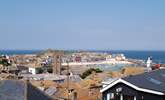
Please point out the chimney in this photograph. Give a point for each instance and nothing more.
(57, 62)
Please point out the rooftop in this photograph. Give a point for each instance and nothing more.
(154, 80)
(20, 90)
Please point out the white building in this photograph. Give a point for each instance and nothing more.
(120, 57)
(33, 70)
(109, 57)
(149, 62)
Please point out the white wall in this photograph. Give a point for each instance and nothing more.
(32, 70)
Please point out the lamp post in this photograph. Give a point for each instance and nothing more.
(68, 79)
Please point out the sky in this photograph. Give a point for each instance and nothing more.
(82, 24)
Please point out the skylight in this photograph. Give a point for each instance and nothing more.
(157, 82)
(163, 75)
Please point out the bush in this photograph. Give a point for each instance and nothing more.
(47, 69)
(40, 70)
(98, 70)
(89, 71)
(4, 62)
(50, 70)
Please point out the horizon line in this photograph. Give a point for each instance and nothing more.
(77, 49)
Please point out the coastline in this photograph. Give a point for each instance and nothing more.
(158, 56)
(96, 63)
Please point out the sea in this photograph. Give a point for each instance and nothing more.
(157, 56)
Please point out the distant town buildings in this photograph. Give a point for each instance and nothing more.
(51, 72)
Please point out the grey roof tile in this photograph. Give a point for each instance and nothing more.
(154, 80)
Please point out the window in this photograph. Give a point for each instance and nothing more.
(31, 71)
(110, 96)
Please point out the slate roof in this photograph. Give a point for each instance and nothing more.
(20, 90)
(11, 90)
(154, 80)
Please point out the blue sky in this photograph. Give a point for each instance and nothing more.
(82, 24)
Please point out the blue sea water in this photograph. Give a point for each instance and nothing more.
(18, 52)
(158, 56)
